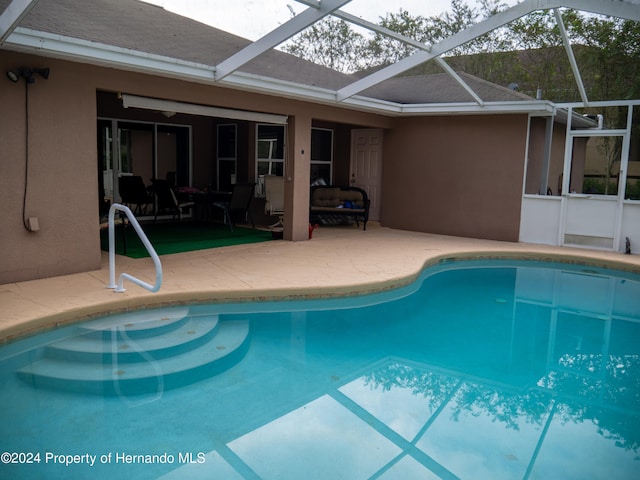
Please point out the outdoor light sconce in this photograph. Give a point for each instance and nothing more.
(27, 74)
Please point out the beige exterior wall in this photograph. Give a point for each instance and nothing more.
(62, 188)
(63, 170)
(451, 175)
(455, 175)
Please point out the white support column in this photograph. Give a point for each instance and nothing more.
(566, 177)
(622, 179)
(546, 161)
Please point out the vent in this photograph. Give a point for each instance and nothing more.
(588, 241)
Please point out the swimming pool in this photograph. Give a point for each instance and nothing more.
(477, 370)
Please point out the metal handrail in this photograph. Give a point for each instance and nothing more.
(112, 253)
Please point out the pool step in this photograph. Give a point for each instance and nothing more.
(191, 350)
(145, 323)
(122, 346)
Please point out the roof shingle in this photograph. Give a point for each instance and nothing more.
(135, 25)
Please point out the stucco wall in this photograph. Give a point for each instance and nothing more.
(63, 171)
(455, 175)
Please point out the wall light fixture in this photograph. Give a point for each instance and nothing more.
(27, 74)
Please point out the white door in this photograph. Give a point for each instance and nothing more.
(366, 166)
(593, 186)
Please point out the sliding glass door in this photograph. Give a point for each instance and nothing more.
(145, 150)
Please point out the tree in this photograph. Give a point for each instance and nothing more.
(333, 43)
(385, 50)
(528, 52)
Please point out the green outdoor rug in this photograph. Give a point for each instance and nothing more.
(169, 238)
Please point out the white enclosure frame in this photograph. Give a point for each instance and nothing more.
(582, 220)
(229, 72)
(542, 221)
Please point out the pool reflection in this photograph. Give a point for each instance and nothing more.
(507, 372)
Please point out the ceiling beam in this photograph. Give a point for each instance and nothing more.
(453, 74)
(409, 41)
(311, 3)
(440, 48)
(278, 36)
(627, 9)
(13, 15)
(571, 56)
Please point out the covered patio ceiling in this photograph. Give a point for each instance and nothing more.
(228, 72)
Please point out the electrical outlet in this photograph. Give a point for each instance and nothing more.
(32, 224)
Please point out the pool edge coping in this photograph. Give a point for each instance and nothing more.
(71, 316)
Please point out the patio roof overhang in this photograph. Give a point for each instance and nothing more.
(228, 73)
(136, 101)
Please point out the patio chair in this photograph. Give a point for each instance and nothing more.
(134, 192)
(274, 197)
(166, 199)
(238, 204)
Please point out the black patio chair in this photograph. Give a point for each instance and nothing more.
(238, 205)
(134, 192)
(166, 200)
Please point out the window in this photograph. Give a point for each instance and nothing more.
(321, 155)
(595, 164)
(227, 156)
(126, 159)
(270, 153)
(596, 160)
(145, 150)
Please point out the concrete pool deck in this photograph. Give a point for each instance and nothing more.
(337, 261)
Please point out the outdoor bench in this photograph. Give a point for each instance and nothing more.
(328, 202)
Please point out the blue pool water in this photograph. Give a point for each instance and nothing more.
(495, 370)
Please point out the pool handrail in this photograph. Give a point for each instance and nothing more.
(112, 253)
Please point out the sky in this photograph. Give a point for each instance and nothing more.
(252, 19)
